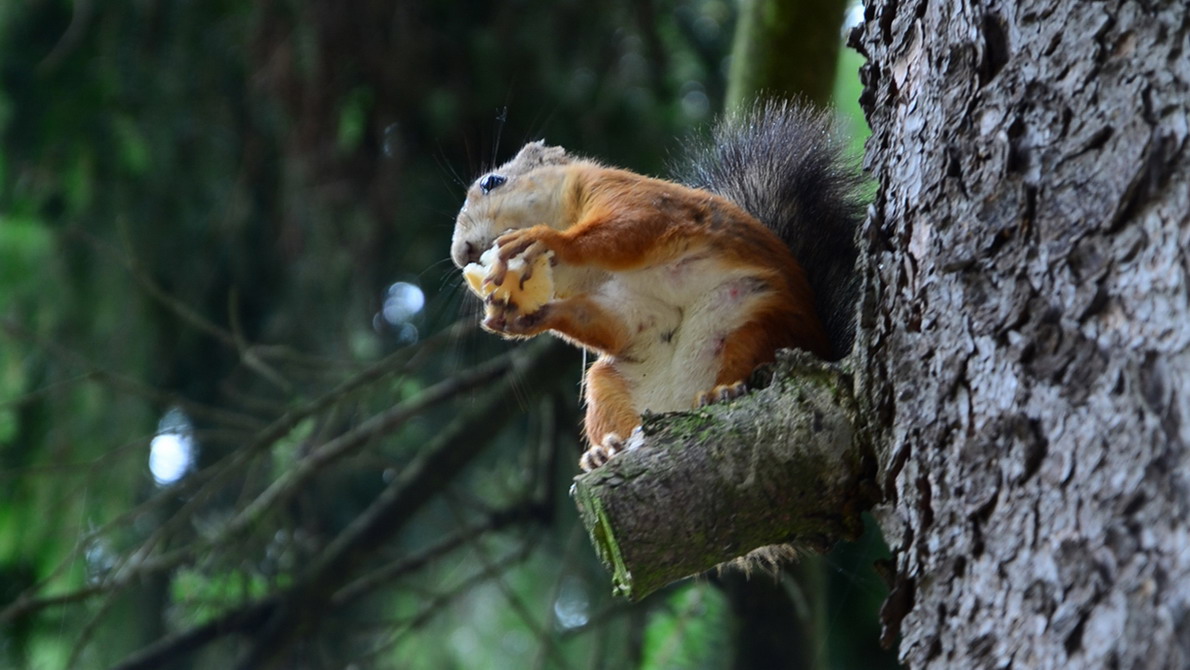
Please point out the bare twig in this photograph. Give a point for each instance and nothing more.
(199, 487)
(244, 619)
(88, 631)
(498, 520)
(91, 371)
(69, 41)
(277, 621)
(541, 632)
(285, 486)
(421, 479)
(437, 604)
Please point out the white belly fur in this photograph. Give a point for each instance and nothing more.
(697, 302)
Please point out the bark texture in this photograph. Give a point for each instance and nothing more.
(786, 464)
(1027, 337)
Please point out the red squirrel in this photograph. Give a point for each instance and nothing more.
(682, 290)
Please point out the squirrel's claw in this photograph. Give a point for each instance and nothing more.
(601, 453)
(515, 242)
(508, 319)
(526, 243)
(511, 245)
(721, 393)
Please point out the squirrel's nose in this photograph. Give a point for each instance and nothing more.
(463, 252)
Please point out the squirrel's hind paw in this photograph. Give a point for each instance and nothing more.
(601, 453)
(721, 393)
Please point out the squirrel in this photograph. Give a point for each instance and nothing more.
(681, 287)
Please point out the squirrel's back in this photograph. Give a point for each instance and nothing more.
(785, 164)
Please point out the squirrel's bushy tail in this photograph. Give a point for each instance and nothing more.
(785, 164)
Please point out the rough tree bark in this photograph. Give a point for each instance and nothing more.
(1030, 337)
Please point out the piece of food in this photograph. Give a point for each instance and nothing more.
(524, 295)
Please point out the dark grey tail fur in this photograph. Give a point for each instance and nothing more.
(785, 164)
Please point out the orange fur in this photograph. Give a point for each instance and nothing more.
(786, 322)
(609, 403)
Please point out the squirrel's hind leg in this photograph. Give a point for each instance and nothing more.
(739, 353)
(611, 415)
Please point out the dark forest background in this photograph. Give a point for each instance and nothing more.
(245, 414)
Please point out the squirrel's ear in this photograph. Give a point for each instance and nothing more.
(537, 154)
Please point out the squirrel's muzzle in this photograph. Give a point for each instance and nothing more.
(463, 252)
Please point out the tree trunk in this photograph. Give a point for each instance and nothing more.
(785, 47)
(1029, 336)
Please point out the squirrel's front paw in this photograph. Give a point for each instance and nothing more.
(507, 319)
(511, 289)
(601, 453)
(525, 244)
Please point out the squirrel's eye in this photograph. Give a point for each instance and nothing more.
(490, 182)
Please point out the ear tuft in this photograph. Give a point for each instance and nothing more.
(537, 154)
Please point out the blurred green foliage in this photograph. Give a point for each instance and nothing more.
(202, 208)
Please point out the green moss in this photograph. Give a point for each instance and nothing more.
(678, 424)
(603, 538)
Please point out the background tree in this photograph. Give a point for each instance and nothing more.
(223, 234)
(779, 49)
(1027, 334)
